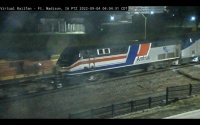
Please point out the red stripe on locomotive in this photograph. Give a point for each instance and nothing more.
(144, 48)
(98, 60)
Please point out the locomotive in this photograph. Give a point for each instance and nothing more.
(83, 64)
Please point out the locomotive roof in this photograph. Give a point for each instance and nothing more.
(119, 43)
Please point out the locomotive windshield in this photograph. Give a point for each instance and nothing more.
(68, 56)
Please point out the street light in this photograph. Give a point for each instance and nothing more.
(112, 18)
(145, 26)
(192, 18)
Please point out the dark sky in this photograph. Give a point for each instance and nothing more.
(17, 19)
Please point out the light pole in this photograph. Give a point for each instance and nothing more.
(145, 26)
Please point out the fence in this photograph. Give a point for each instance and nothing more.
(172, 94)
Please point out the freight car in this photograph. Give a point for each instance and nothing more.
(77, 64)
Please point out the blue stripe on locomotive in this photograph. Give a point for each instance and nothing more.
(132, 54)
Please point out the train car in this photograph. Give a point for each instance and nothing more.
(190, 49)
(96, 63)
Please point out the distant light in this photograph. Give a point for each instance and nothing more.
(124, 21)
(136, 12)
(112, 18)
(152, 12)
(192, 18)
(173, 15)
(190, 40)
(39, 64)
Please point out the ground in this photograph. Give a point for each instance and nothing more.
(83, 98)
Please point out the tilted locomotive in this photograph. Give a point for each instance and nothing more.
(95, 63)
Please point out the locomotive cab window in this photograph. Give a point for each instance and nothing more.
(100, 51)
(103, 51)
(107, 51)
(84, 54)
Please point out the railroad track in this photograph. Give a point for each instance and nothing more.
(19, 92)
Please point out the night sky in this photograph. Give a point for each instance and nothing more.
(13, 20)
(18, 19)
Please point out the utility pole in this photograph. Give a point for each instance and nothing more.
(145, 26)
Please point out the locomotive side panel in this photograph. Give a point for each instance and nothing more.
(99, 59)
(188, 48)
(197, 47)
(135, 54)
(139, 55)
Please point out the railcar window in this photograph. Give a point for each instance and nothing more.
(100, 51)
(107, 51)
(103, 51)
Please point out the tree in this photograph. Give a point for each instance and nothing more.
(180, 13)
(197, 13)
(19, 21)
(93, 21)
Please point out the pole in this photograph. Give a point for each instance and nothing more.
(145, 26)
(167, 95)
